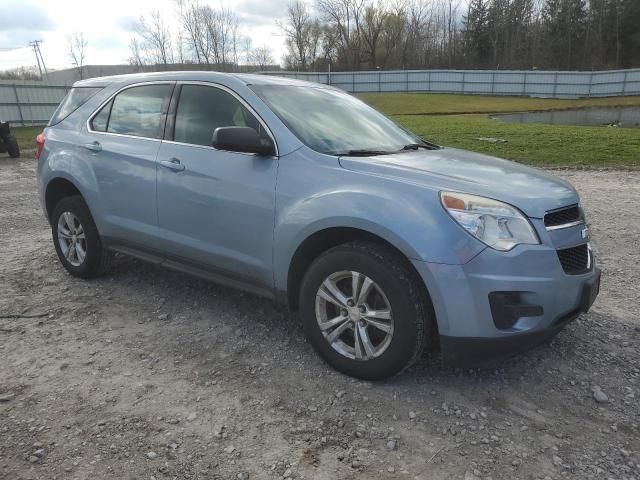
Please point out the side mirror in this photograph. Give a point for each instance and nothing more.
(241, 139)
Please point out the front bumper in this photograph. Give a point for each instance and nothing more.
(470, 332)
(473, 351)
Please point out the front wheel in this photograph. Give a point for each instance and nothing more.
(364, 310)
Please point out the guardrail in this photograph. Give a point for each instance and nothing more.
(33, 103)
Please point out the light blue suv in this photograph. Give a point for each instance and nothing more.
(385, 243)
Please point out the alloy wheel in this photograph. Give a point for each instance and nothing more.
(354, 315)
(72, 239)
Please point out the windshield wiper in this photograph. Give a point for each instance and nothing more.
(363, 152)
(425, 145)
(368, 152)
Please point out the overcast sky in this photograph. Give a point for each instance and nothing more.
(108, 27)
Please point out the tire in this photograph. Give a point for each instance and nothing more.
(394, 291)
(13, 149)
(96, 260)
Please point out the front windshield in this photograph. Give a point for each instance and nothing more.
(333, 122)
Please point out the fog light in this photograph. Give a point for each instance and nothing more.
(509, 307)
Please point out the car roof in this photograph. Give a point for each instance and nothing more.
(196, 75)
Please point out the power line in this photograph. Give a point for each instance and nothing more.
(9, 49)
(14, 60)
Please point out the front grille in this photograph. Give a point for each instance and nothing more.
(562, 216)
(575, 260)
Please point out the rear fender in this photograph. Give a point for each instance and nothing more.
(64, 161)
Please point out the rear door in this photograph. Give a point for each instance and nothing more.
(123, 142)
(215, 207)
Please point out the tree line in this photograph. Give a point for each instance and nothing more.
(405, 34)
(480, 34)
(391, 34)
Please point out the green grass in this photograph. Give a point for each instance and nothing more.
(534, 144)
(430, 103)
(26, 136)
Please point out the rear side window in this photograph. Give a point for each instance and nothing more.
(72, 101)
(136, 111)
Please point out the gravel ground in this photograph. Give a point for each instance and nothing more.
(147, 373)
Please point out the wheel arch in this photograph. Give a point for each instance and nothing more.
(57, 189)
(322, 240)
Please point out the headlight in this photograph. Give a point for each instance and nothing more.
(497, 224)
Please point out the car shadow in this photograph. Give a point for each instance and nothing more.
(242, 310)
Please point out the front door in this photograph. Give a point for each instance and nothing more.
(216, 208)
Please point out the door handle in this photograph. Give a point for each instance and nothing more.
(173, 164)
(93, 146)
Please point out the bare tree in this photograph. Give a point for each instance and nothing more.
(247, 48)
(226, 23)
(156, 38)
(136, 56)
(372, 25)
(235, 45)
(296, 28)
(417, 34)
(343, 18)
(77, 45)
(393, 31)
(188, 15)
(262, 57)
(211, 33)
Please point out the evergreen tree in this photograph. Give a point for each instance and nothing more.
(476, 33)
(565, 28)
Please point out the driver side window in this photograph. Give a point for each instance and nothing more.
(201, 109)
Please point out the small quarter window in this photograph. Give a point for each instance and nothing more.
(101, 120)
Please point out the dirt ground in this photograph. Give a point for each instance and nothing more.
(150, 374)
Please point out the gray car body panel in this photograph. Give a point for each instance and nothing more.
(244, 216)
(534, 192)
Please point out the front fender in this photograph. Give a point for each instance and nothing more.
(408, 217)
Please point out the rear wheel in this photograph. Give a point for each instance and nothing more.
(76, 239)
(364, 310)
(13, 149)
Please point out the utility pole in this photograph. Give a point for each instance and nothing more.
(46, 73)
(35, 44)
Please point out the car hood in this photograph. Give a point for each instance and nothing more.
(531, 190)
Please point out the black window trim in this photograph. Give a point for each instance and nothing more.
(173, 106)
(165, 106)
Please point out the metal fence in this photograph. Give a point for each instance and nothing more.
(483, 82)
(29, 103)
(34, 102)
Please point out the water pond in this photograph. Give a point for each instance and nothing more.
(623, 117)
